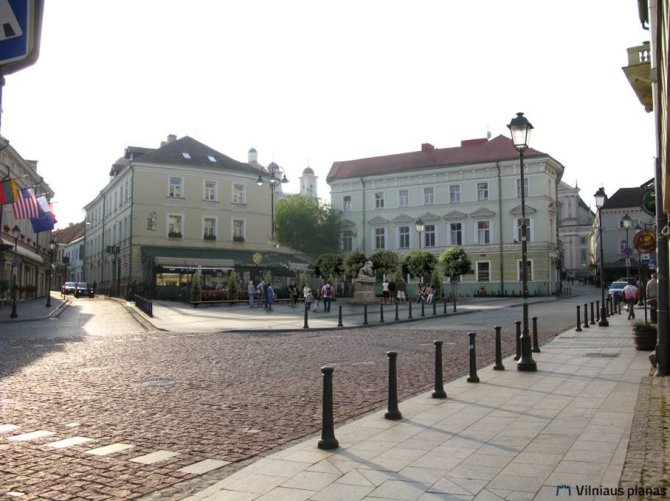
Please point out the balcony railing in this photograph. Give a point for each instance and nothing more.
(638, 73)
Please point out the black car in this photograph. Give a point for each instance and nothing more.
(83, 289)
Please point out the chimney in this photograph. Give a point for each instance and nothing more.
(427, 147)
(171, 138)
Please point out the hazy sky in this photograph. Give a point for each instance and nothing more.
(313, 82)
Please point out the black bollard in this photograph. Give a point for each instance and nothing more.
(434, 308)
(409, 314)
(381, 313)
(454, 303)
(536, 346)
(365, 314)
(472, 378)
(517, 356)
(328, 440)
(392, 411)
(598, 311)
(339, 316)
(396, 313)
(579, 320)
(306, 325)
(439, 387)
(499, 365)
(586, 316)
(423, 312)
(592, 322)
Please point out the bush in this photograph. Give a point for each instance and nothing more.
(232, 286)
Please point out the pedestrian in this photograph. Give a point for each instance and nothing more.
(269, 296)
(401, 290)
(293, 293)
(317, 299)
(260, 293)
(430, 292)
(385, 290)
(392, 292)
(251, 291)
(652, 297)
(327, 295)
(630, 293)
(309, 297)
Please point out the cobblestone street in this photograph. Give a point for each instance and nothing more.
(215, 397)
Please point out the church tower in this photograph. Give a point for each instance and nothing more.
(308, 183)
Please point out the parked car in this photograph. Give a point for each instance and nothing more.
(68, 288)
(83, 289)
(616, 288)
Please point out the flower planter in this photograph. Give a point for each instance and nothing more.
(644, 336)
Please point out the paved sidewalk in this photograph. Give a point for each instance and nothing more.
(34, 309)
(561, 431)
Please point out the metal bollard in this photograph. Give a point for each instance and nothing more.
(409, 314)
(306, 325)
(579, 320)
(444, 303)
(396, 313)
(499, 365)
(439, 386)
(339, 316)
(423, 312)
(592, 322)
(392, 411)
(598, 311)
(381, 313)
(517, 356)
(472, 378)
(454, 303)
(536, 346)
(365, 314)
(328, 440)
(586, 316)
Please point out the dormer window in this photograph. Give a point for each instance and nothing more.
(211, 159)
(186, 155)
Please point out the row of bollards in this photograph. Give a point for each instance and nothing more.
(328, 440)
(610, 307)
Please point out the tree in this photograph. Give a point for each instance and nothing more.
(419, 263)
(232, 287)
(196, 288)
(353, 262)
(436, 282)
(329, 266)
(385, 261)
(307, 225)
(455, 262)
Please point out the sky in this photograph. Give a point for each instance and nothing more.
(308, 83)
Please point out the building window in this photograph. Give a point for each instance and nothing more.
(208, 228)
(347, 240)
(174, 226)
(483, 232)
(455, 193)
(529, 267)
(456, 233)
(483, 271)
(238, 230)
(482, 191)
(403, 198)
(176, 188)
(379, 200)
(210, 191)
(518, 186)
(346, 203)
(623, 245)
(239, 194)
(518, 231)
(428, 195)
(583, 256)
(380, 238)
(582, 240)
(403, 237)
(429, 235)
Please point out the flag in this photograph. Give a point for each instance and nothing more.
(47, 219)
(8, 192)
(25, 206)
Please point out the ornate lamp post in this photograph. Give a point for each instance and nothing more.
(601, 198)
(52, 246)
(273, 181)
(520, 128)
(626, 221)
(16, 233)
(420, 227)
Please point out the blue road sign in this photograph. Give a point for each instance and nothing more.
(16, 31)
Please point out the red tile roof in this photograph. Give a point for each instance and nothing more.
(473, 151)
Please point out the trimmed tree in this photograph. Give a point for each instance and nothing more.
(233, 293)
(353, 262)
(329, 266)
(419, 263)
(385, 261)
(455, 262)
(196, 287)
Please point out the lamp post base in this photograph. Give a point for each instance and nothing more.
(526, 365)
(603, 318)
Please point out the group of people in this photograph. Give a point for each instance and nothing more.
(425, 294)
(324, 295)
(631, 295)
(261, 295)
(393, 291)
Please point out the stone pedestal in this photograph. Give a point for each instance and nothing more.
(364, 291)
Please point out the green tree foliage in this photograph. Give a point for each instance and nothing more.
(419, 263)
(454, 262)
(436, 282)
(196, 287)
(353, 262)
(329, 266)
(385, 261)
(306, 225)
(232, 286)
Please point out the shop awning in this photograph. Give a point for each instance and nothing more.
(192, 264)
(23, 252)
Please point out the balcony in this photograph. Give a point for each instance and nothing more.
(638, 73)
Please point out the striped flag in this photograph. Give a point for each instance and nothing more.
(25, 206)
(8, 192)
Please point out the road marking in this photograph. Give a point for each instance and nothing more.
(4, 428)
(33, 435)
(154, 457)
(68, 442)
(109, 449)
(203, 466)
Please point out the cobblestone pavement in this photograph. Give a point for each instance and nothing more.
(186, 404)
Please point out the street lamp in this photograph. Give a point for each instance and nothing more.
(520, 128)
(419, 229)
(16, 233)
(272, 181)
(601, 198)
(52, 246)
(626, 222)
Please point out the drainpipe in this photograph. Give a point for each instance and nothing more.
(500, 214)
(662, 348)
(364, 201)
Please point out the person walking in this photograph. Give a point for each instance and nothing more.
(251, 291)
(392, 291)
(327, 293)
(317, 299)
(385, 290)
(269, 297)
(309, 297)
(630, 293)
(401, 290)
(651, 291)
(293, 293)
